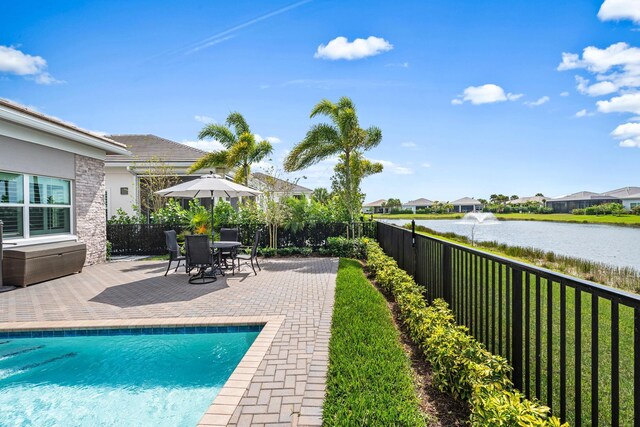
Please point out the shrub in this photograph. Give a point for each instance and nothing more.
(109, 249)
(345, 248)
(461, 365)
(635, 210)
(578, 212)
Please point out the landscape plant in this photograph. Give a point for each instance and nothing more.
(343, 138)
(461, 365)
(241, 148)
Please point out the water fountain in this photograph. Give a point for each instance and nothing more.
(478, 218)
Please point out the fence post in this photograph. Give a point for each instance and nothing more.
(516, 329)
(446, 274)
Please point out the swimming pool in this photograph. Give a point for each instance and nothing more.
(141, 377)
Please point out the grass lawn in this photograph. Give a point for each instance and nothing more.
(632, 220)
(485, 315)
(370, 381)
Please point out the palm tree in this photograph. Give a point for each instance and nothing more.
(241, 148)
(344, 137)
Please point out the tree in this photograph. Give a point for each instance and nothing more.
(241, 149)
(343, 137)
(539, 195)
(515, 197)
(393, 204)
(154, 175)
(320, 195)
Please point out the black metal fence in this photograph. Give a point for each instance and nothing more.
(148, 239)
(574, 345)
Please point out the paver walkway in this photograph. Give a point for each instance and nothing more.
(288, 387)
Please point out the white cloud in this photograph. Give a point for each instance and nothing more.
(628, 134)
(425, 165)
(538, 102)
(14, 61)
(630, 143)
(408, 144)
(204, 119)
(627, 103)
(565, 93)
(581, 113)
(615, 67)
(394, 167)
(341, 48)
(399, 65)
(627, 130)
(204, 145)
(271, 139)
(620, 9)
(485, 94)
(597, 89)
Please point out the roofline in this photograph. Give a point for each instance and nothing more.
(23, 116)
(202, 152)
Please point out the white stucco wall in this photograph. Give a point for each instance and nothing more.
(627, 203)
(116, 178)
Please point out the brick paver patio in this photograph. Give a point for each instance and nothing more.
(288, 386)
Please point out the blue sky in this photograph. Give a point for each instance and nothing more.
(473, 97)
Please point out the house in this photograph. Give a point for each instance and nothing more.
(52, 180)
(414, 205)
(580, 200)
(279, 187)
(151, 155)
(466, 204)
(374, 207)
(630, 196)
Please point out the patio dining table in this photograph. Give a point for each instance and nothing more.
(218, 246)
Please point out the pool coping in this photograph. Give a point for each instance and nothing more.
(228, 398)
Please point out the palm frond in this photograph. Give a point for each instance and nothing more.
(241, 151)
(209, 160)
(373, 138)
(239, 175)
(261, 150)
(220, 133)
(321, 141)
(325, 108)
(239, 124)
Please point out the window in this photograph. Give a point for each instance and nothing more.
(44, 203)
(633, 205)
(12, 204)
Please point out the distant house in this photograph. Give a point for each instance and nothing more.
(533, 199)
(375, 207)
(124, 173)
(630, 196)
(466, 204)
(580, 200)
(414, 205)
(52, 180)
(280, 187)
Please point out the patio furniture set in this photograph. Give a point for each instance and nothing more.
(211, 258)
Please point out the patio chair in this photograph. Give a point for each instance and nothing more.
(229, 235)
(174, 251)
(199, 256)
(253, 255)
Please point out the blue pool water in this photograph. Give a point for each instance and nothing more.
(116, 380)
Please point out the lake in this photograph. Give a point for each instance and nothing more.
(608, 244)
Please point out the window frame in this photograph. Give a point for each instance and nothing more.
(26, 205)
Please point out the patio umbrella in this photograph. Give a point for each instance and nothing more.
(208, 186)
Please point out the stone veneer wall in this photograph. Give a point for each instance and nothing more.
(90, 218)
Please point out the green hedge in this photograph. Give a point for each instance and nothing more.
(461, 365)
(369, 381)
(345, 248)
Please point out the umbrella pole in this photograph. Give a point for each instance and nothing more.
(213, 233)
